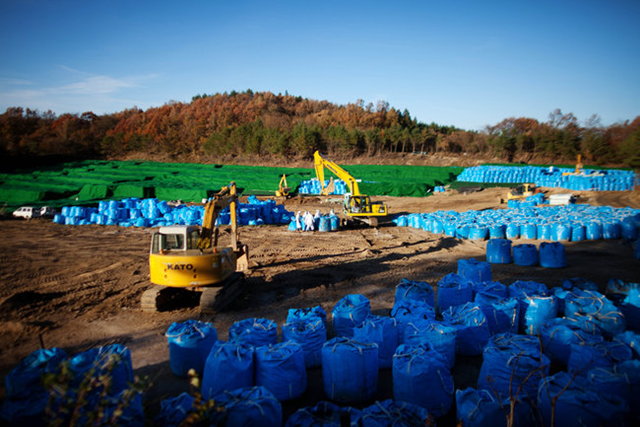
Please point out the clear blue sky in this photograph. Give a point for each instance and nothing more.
(462, 63)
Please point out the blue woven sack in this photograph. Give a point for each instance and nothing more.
(229, 366)
(255, 332)
(324, 414)
(189, 345)
(474, 270)
(415, 290)
(421, 377)
(512, 366)
(280, 368)
(311, 334)
(472, 328)
(250, 407)
(453, 290)
(383, 331)
(349, 370)
(390, 413)
(348, 313)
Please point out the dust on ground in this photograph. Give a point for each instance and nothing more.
(79, 287)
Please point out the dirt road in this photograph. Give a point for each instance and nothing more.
(79, 287)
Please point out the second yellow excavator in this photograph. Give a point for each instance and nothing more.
(356, 206)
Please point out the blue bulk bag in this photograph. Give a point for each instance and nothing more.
(462, 232)
(415, 290)
(631, 370)
(611, 230)
(502, 314)
(421, 377)
(552, 255)
(323, 224)
(478, 233)
(255, 332)
(472, 328)
(609, 382)
(594, 231)
(383, 331)
(250, 407)
(528, 231)
(293, 225)
(576, 404)
(437, 335)
(544, 231)
(561, 232)
(349, 370)
(594, 312)
(479, 408)
(629, 229)
(538, 311)
(174, 410)
(586, 356)
(497, 231)
(499, 251)
(631, 339)
(189, 345)
(578, 233)
(490, 288)
(558, 334)
(115, 359)
(311, 334)
(229, 366)
(579, 283)
(407, 311)
(280, 368)
(334, 223)
(453, 290)
(390, 413)
(348, 313)
(307, 314)
(450, 229)
(474, 270)
(26, 377)
(512, 231)
(324, 414)
(630, 308)
(512, 366)
(522, 290)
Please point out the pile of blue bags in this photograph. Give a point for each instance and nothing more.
(313, 186)
(569, 351)
(588, 180)
(156, 213)
(86, 388)
(556, 223)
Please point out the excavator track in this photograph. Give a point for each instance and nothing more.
(215, 299)
(155, 299)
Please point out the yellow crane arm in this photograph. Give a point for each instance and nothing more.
(208, 235)
(320, 162)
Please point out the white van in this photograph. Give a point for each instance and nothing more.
(27, 212)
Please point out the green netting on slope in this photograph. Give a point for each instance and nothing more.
(184, 194)
(95, 180)
(93, 192)
(12, 195)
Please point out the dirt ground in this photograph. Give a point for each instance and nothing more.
(80, 287)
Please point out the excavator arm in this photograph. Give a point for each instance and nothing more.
(320, 162)
(209, 233)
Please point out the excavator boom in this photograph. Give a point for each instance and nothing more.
(320, 162)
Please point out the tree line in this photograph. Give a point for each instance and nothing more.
(262, 123)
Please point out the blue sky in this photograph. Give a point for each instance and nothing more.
(462, 63)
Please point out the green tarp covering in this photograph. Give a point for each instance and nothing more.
(90, 181)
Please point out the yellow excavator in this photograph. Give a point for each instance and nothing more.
(520, 192)
(356, 206)
(579, 167)
(185, 257)
(283, 189)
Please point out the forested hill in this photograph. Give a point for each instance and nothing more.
(262, 123)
